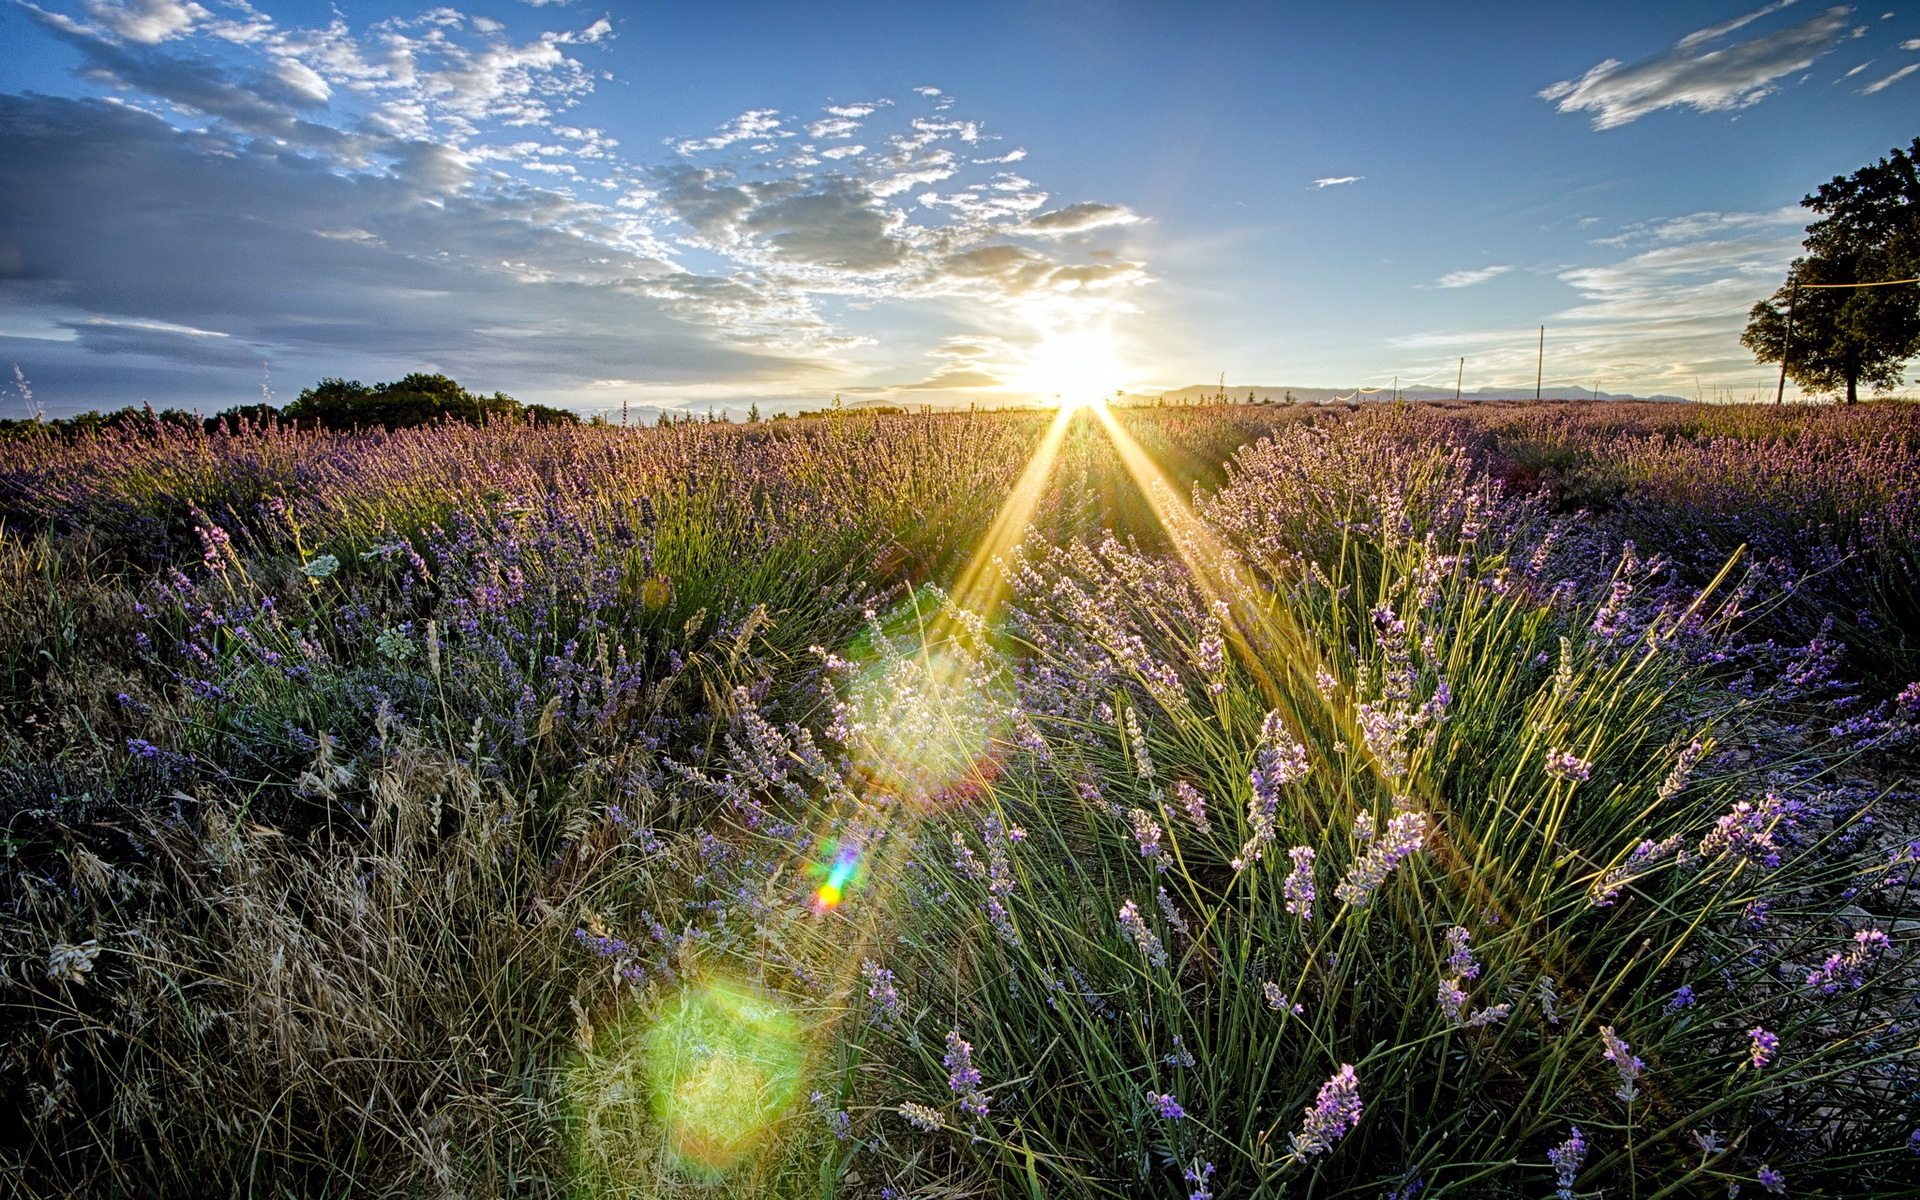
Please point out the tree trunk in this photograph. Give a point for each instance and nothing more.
(1853, 390)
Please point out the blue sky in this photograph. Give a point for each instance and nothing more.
(711, 205)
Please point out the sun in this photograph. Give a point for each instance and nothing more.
(1073, 369)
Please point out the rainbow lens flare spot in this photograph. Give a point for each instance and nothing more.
(839, 871)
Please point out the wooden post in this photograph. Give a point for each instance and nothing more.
(1458, 377)
(1540, 362)
(1786, 345)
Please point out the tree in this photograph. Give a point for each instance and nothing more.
(417, 399)
(1834, 338)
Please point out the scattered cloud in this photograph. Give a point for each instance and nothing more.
(1732, 77)
(1910, 44)
(424, 186)
(1078, 218)
(1882, 84)
(1337, 180)
(1667, 312)
(1460, 279)
(1695, 226)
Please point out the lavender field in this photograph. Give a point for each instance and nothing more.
(1204, 803)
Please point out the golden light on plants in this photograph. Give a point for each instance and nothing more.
(723, 1062)
(698, 1087)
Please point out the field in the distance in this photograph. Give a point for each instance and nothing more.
(1233, 801)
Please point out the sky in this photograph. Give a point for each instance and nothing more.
(698, 206)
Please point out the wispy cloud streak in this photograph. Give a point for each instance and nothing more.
(1732, 77)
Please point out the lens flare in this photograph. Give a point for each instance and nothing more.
(840, 869)
(722, 1062)
(927, 703)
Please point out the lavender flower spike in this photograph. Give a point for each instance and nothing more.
(1764, 1046)
(1335, 1111)
(1620, 1054)
(1146, 939)
(1406, 834)
(1298, 888)
(1565, 765)
(1565, 1159)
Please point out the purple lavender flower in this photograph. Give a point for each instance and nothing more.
(1193, 804)
(1772, 1180)
(1298, 888)
(1566, 1159)
(1335, 1111)
(882, 992)
(1605, 889)
(1682, 998)
(1147, 834)
(1000, 839)
(963, 1078)
(1148, 942)
(1406, 834)
(1277, 762)
(962, 1075)
(1197, 1176)
(1620, 1054)
(1848, 968)
(1564, 765)
(1170, 913)
(1747, 830)
(836, 1120)
(1278, 1000)
(1181, 1056)
(1763, 1047)
(1460, 958)
(1168, 1107)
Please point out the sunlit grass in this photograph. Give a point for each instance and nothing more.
(700, 808)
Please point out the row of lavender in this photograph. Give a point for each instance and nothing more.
(463, 747)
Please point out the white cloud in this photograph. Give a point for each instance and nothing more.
(1863, 66)
(1732, 77)
(1652, 321)
(749, 125)
(1696, 226)
(147, 22)
(1337, 180)
(1078, 218)
(420, 182)
(1467, 278)
(1889, 81)
(1910, 44)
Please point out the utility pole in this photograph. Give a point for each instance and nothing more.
(1462, 374)
(1540, 362)
(1786, 346)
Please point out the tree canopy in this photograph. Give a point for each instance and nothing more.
(417, 399)
(1833, 336)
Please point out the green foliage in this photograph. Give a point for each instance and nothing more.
(1832, 337)
(417, 399)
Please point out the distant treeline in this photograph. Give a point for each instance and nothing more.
(330, 404)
